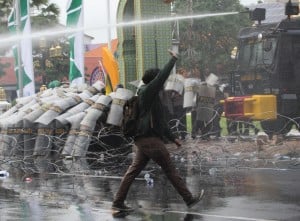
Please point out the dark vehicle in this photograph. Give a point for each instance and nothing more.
(268, 62)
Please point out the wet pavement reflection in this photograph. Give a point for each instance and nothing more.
(231, 194)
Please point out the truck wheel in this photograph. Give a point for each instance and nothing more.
(274, 127)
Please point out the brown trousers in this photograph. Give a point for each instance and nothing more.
(151, 148)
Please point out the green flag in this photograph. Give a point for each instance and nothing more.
(75, 21)
(25, 47)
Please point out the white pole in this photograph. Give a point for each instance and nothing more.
(109, 25)
(18, 29)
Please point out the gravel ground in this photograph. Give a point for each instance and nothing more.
(255, 151)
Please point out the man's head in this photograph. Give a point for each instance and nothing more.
(150, 74)
(118, 86)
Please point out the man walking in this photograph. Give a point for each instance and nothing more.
(152, 130)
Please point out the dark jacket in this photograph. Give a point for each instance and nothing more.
(152, 121)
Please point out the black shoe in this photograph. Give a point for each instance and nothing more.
(195, 199)
(122, 207)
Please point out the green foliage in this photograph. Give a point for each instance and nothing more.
(5, 8)
(43, 14)
(209, 41)
(46, 15)
(51, 68)
(4, 11)
(59, 68)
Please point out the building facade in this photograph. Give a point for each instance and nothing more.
(142, 45)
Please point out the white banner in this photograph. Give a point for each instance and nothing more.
(25, 46)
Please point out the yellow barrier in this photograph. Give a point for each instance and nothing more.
(255, 107)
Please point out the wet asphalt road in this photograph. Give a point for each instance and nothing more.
(230, 194)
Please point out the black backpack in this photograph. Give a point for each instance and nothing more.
(130, 117)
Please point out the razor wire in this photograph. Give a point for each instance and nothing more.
(105, 157)
(102, 154)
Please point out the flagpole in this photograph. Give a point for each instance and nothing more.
(18, 26)
(109, 25)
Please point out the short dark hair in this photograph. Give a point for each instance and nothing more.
(119, 86)
(150, 74)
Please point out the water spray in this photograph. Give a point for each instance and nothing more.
(54, 32)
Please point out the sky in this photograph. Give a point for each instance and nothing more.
(96, 17)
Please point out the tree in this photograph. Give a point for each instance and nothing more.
(50, 67)
(4, 11)
(43, 14)
(5, 6)
(209, 41)
(51, 59)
